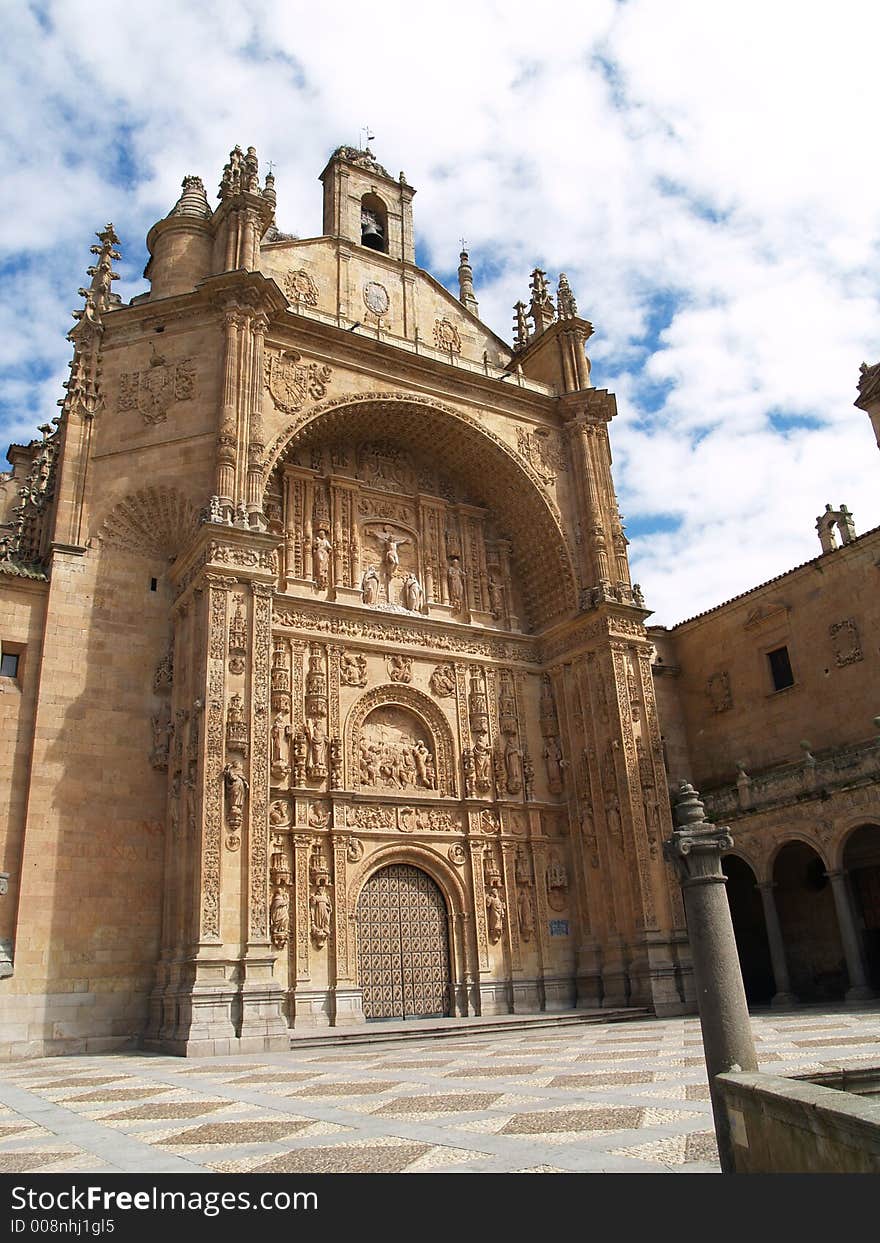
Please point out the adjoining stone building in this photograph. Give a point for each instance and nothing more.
(325, 690)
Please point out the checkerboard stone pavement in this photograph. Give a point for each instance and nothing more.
(616, 1098)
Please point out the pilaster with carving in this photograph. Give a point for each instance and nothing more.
(258, 924)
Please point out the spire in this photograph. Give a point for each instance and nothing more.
(541, 308)
(193, 200)
(99, 296)
(521, 327)
(466, 284)
(565, 299)
(269, 189)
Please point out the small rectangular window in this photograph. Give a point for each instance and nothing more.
(9, 665)
(780, 668)
(154, 584)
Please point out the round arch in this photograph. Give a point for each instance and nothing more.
(541, 553)
(808, 921)
(423, 707)
(860, 858)
(749, 928)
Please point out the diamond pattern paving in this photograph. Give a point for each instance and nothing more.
(632, 1094)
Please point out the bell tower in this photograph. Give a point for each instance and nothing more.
(365, 205)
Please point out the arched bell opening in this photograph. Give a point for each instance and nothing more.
(861, 860)
(809, 924)
(374, 223)
(750, 931)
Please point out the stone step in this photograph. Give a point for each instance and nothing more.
(474, 1025)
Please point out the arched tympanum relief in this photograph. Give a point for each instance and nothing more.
(398, 741)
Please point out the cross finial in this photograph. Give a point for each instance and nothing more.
(270, 165)
(463, 241)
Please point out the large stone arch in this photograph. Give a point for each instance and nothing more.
(422, 706)
(541, 552)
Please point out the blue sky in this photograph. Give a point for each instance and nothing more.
(703, 174)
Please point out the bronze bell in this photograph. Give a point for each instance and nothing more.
(372, 234)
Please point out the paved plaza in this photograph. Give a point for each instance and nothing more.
(626, 1097)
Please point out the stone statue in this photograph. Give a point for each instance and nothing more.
(442, 681)
(353, 669)
(279, 916)
(554, 764)
(422, 757)
(412, 593)
(495, 914)
(316, 762)
(370, 585)
(322, 549)
(525, 914)
(455, 582)
(390, 555)
(513, 766)
(280, 733)
(236, 789)
(321, 908)
(482, 758)
(496, 597)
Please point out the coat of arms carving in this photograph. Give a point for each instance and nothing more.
(156, 388)
(291, 381)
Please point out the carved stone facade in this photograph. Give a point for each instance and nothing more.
(322, 616)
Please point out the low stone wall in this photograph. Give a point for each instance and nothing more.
(790, 1126)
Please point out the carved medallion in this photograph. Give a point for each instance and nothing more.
(300, 287)
(718, 690)
(375, 298)
(846, 642)
(456, 855)
(446, 336)
(442, 681)
(291, 381)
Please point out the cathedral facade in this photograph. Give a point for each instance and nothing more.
(327, 693)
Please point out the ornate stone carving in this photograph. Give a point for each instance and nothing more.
(846, 643)
(279, 814)
(446, 336)
(300, 288)
(155, 389)
(161, 726)
(236, 790)
(398, 739)
(153, 522)
(353, 669)
(557, 884)
(370, 817)
(322, 550)
(525, 913)
(236, 725)
(718, 691)
(543, 453)
(456, 854)
(426, 820)
(237, 638)
(163, 678)
(495, 913)
(291, 381)
(455, 584)
(399, 667)
(442, 681)
(354, 851)
(320, 900)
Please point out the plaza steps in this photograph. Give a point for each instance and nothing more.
(384, 1032)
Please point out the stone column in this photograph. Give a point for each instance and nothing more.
(859, 988)
(695, 850)
(783, 997)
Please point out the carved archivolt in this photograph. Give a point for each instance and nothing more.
(438, 734)
(430, 861)
(542, 556)
(154, 522)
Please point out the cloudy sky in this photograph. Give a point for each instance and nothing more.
(706, 175)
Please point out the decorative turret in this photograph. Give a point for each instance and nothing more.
(245, 214)
(520, 326)
(869, 395)
(553, 352)
(466, 284)
(180, 245)
(568, 308)
(826, 523)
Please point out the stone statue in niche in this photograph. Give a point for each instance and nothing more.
(280, 737)
(557, 884)
(495, 915)
(612, 815)
(322, 549)
(525, 914)
(321, 908)
(390, 544)
(236, 789)
(300, 755)
(467, 761)
(316, 757)
(482, 759)
(279, 813)
(554, 763)
(335, 763)
(412, 593)
(455, 583)
(279, 915)
(513, 766)
(370, 585)
(161, 727)
(528, 775)
(394, 754)
(496, 597)
(353, 669)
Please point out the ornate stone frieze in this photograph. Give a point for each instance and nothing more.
(300, 288)
(846, 643)
(446, 336)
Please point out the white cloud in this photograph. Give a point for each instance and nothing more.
(707, 162)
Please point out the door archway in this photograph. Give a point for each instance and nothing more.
(749, 930)
(809, 925)
(861, 858)
(403, 945)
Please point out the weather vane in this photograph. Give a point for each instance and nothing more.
(367, 133)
